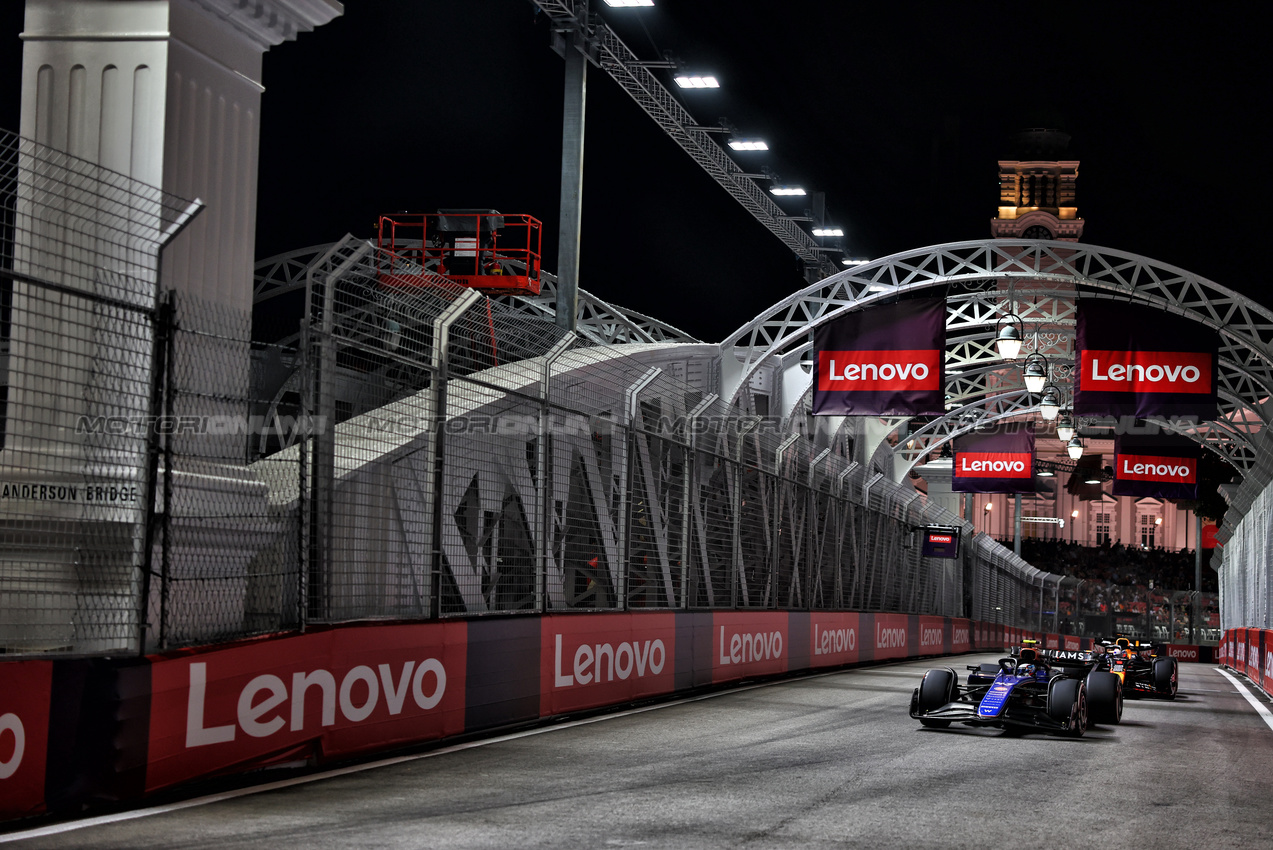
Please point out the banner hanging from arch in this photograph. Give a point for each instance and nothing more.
(1000, 460)
(1134, 360)
(882, 361)
(1162, 466)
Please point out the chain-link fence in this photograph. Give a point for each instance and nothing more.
(413, 450)
(80, 253)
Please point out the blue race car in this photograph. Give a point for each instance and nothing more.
(1027, 691)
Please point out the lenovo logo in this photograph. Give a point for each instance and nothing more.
(960, 636)
(844, 371)
(750, 647)
(1146, 371)
(828, 641)
(930, 637)
(1152, 468)
(940, 538)
(889, 638)
(1184, 653)
(12, 723)
(603, 661)
(994, 465)
(263, 705)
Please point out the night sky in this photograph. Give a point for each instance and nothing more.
(898, 112)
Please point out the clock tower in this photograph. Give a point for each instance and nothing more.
(1037, 191)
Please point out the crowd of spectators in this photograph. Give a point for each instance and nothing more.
(1127, 581)
(1114, 563)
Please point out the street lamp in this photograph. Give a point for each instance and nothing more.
(1065, 428)
(1074, 448)
(1050, 404)
(1008, 337)
(1035, 372)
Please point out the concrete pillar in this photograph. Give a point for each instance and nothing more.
(167, 93)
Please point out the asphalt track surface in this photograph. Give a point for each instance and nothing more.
(824, 761)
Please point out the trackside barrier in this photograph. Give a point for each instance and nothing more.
(1249, 652)
(82, 731)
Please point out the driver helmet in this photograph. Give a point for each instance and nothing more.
(1025, 669)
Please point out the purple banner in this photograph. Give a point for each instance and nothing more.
(995, 461)
(1164, 467)
(882, 361)
(1133, 360)
(941, 543)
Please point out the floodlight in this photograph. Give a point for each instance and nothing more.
(748, 145)
(696, 81)
(849, 262)
(620, 4)
(827, 231)
(787, 190)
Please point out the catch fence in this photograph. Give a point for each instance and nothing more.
(413, 450)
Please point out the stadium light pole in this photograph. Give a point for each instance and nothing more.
(571, 217)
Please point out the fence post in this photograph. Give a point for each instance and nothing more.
(630, 409)
(441, 336)
(160, 386)
(811, 524)
(774, 548)
(543, 467)
(687, 515)
(736, 544)
(323, 386)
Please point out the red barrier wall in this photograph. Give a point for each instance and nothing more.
(1249, 652)
(24, 733)
(109, 730)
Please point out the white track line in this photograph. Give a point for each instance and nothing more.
(1265, 714)
(102, 820)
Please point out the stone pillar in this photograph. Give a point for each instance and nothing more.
(167, 93)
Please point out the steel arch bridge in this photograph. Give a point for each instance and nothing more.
(1040, 282)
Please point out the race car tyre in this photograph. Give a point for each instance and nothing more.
(935, 690)
(1067, 703)
(1104, 698)
(1165, 677)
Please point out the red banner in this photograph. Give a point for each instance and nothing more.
(24, 736)
(932, 636)
(338, 692)
(833, 639)
(995, 465)
(892, 637)
(960, 636)
(590, 660)
(746, 643)
(879, 371)
(1146, 371)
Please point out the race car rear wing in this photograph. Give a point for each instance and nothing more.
(1069, 657)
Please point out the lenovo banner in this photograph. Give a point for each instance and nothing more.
(1163, 467)
(604, 659)
(995, 461)
(748, 643)
(1139, 361)
(24, 731)
(333, 693)
(833, 638)
(882, 361)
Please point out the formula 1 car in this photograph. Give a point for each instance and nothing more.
(1143, 669)
(1027, 691)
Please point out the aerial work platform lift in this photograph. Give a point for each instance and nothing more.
(481, 249)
